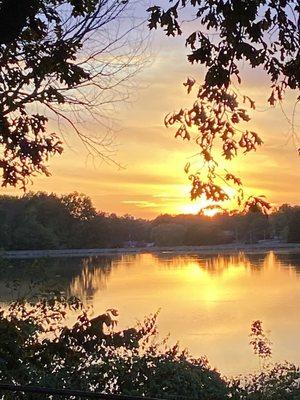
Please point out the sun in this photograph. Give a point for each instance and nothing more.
(207, 207)
(192, 208)
(196, 207)
(211, 212)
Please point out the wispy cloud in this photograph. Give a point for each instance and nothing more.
(141, 203)
(153, 180)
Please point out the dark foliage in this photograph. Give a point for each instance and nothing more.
(48, 221)
(46, 64)
(294, 228)
(261, 35)
(36, 348)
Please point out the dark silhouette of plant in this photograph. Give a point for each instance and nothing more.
(279, 381)
(58, 60)
(37, 348)
(48, 221)
(263, 35)
(293, 227)
(260, 342)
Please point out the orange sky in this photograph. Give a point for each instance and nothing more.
(153, 180)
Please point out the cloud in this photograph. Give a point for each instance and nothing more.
(153, 180)
(142, 203)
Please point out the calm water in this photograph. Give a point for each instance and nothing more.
(207, 303)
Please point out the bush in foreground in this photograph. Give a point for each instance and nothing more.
(36, 348)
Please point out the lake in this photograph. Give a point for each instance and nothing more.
(207, 303)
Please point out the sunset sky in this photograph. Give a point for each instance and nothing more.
(152, 180)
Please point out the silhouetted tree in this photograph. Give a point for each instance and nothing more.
(79, 206)
(45, 221)
(41, 221)
(172, 234)
(59, 57)
(262, 35)
(294, 228)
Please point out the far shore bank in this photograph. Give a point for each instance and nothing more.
(207, 250)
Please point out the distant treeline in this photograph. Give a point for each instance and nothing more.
(49, 221)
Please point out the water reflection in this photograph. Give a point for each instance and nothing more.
(207, 302)
(94, 276)
(95, 272)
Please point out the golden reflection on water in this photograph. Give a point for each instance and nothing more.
(207, 303)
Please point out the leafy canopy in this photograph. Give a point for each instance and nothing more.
(261, 34)
(57, 59)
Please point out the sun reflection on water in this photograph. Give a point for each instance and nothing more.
(207, 302)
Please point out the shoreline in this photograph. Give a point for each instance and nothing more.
(205, 250)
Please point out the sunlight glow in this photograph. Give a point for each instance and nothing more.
(211, 212)
(197, 206)
(208, 207)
